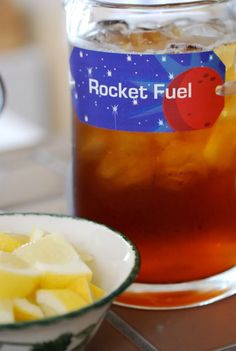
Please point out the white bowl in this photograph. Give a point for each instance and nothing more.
(115, 265)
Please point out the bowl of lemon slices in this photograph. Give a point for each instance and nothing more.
(58, 278)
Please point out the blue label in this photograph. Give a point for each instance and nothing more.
(147, 93)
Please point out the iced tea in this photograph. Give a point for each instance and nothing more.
(173, 194)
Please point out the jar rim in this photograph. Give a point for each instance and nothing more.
(156, 2)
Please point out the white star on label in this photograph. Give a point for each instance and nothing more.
(114, 109)
(135, 102)
(160, 122)
(109, 73)
(81, 54)
(171, 76)
(76, 96)
(211, 57)
(86, 118)
(115, 114)
(90, 71)
(129, 58)
(163, 59)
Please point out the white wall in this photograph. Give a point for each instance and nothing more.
(48, 25)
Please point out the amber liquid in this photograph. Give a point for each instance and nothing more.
(172, 194)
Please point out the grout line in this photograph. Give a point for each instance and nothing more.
(133, 335)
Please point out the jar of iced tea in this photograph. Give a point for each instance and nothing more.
(154, 139)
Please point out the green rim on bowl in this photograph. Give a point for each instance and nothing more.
(108, 298)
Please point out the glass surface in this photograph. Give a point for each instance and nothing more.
(173, 194)
(2, 94)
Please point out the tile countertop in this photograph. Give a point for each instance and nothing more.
(42, 172)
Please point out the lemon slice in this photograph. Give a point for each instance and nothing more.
(8, 243)
(24, 310)
(55, 302)
(21, 238)
(36, 234)
(81, 287)
(97, 292)
(56, 259)
(6, 311)
(17, 277)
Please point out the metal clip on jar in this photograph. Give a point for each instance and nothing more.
(154, 139)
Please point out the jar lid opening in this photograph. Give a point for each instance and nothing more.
(154, 2)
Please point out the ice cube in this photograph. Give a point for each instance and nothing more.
(183, 47)
(194, 36)
(114, 26)
(129, 161)
(202, 30)
(227, 53)
(181, 163)
(220, 150)
(92, 144)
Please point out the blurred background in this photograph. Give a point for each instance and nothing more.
(35, 123)
(34, 68)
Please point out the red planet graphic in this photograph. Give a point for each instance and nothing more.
(200, 107)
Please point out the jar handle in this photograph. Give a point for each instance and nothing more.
(229, 88)
(2, 95)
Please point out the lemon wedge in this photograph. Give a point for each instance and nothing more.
(97, 293)
(36, 234)
(24, 310)
(8, 243)
(55, 301)
(81, 287)
(56, 258)
(6, 311)
(21, 238)
(17, 277)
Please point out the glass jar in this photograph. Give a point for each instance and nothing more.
(154, 142)
(2, 95)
